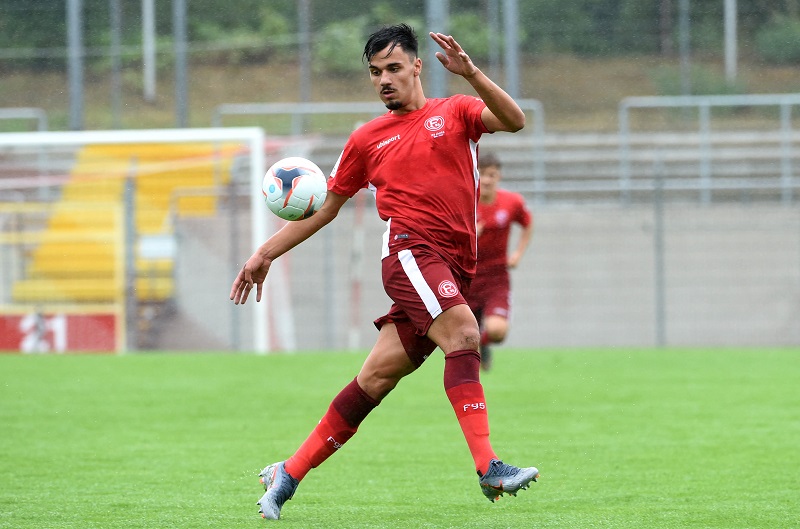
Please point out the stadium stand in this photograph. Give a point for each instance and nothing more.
(79, 255)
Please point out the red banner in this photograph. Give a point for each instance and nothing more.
(58, 332)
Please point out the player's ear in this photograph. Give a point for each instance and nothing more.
(417, 66)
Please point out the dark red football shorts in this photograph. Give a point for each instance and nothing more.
(490, 293)
(422, 285)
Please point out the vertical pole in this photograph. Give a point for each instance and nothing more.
(233, 255)
(304, 21)
(149, 49)
(510, 25)
(685, 47)
(787, 180)
(658, 240)
(624, 153)
(665, 27)
(261, 227)
(181, 84)
(75, 63)
(115, 12)
(731, 50)
(131, 308)
(705, 153)
(493, 17)
(436, 14)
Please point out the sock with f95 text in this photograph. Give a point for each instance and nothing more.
(337, 426)
(465, 392)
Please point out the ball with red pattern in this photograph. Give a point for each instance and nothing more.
(294, 188)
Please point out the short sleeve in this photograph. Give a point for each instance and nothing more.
(349, 175)
(471, 108)
(523, 215)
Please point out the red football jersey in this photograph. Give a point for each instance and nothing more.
(497, 218)
(422, 169)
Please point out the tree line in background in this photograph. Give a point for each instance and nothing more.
(33, 33)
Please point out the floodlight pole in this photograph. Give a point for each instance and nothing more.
(493, 18)
(181, 81)
(115, 10)
(684, 31)
(510, 25)
(149, 49)
(75, 62)
(436, 14)
(304, 18)
(731, 50)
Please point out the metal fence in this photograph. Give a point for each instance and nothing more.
(703, 105)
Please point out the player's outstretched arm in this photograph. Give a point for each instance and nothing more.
(522, 245)
(255, 270)
(502, 113)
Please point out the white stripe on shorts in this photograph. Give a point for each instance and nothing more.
(418, 282)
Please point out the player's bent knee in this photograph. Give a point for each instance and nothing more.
(455, 329)
(496, 337)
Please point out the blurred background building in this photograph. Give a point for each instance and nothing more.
(661, 162)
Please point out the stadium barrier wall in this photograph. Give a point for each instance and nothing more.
(599, 272)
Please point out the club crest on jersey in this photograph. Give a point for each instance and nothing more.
(434, 123)
(501, 217)
(448, 289)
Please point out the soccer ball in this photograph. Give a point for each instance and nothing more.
(294, 188)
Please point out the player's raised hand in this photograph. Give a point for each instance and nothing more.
(454, 57)
(254, 272)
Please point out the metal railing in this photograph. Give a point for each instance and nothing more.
(704, 105)
(37, 114)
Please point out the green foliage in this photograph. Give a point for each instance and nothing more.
(339, 46)
(779, 41)
(589, 27)
(471, 31)
(264, 35)
(255, 30)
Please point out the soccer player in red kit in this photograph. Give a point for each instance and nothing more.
(490, 292)
(419, 159)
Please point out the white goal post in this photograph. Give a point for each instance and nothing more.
(252, 137)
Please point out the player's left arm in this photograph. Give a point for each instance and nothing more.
(501, 113)
(524, 218)
(522, 245)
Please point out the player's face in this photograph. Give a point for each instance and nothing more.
(394, 76)
(490, 176)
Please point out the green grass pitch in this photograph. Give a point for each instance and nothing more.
(623, 439)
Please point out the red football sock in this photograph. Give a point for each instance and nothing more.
(463, 388)
(337, 426)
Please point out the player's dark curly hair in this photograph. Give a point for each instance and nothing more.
(401, 35)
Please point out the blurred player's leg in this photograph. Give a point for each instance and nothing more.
(494, 330)
(486, 357)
